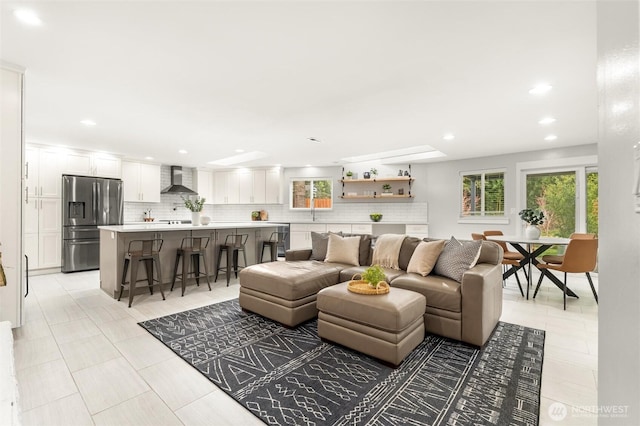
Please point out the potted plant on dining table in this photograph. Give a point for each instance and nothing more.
(533, 218)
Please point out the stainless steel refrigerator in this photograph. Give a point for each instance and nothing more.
(86, 204)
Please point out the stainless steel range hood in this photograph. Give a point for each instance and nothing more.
(176, 186)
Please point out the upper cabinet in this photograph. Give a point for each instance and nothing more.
(247, 186)
(43, 172)
(141, 182)
(92, 164)
(203, 185)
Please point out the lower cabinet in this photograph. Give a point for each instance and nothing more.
(44, 250)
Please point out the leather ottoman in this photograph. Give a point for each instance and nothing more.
(286, 291)
(387, 327)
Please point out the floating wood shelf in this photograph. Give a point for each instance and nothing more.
(352, 197)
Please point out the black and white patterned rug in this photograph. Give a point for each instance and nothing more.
(290, 377)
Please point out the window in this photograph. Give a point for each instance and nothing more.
(482, 193)
(308, 193)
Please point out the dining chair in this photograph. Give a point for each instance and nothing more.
(580, 257)
(506, 263)
(557, 258)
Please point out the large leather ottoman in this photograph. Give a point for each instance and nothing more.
(387, 326)
(286, 291)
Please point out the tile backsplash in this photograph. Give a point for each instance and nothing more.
(172, 207)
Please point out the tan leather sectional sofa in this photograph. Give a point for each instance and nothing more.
(468, 310)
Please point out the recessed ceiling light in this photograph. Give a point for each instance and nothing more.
(239, 150)
(27, 16)
(307, 165)
(88, 122)
(540, 89)
(448, 137)
(547, 120)
(551, 138)
(314, 140)
(148, 158)
(182, 151)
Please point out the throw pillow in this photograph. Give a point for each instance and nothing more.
(456, 258)
(406, 251)
(424, 257)
(365, 247)
(319, 246)
(343, 250)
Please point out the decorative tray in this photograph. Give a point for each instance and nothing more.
(363, 287)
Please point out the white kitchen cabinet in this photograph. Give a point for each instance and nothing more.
(273, 186)
(78, 163)
(345, 228)
(141, 182)
(43, 172)
(251, 185)
(49, 250)
(42, 232)
(227, 187)
(417, 230)
(103, 165)
(204, 185)
(362, 228)
(92, 164)
(247, 186)
(300, 234)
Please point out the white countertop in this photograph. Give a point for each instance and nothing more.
(157, 227)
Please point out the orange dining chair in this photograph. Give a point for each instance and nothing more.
(580, 257)
(506, 263)
(556, 259)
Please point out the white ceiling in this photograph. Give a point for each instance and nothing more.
(361, 77)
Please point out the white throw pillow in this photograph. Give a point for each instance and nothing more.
(343, 250)
(425, 256)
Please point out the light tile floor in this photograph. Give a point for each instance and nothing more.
(81, 358)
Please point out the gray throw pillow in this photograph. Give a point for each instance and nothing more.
(456, 258)
(319, 244)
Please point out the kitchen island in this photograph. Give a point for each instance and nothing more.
(114, 242)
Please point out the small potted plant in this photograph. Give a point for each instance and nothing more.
(374, 275)
(533, 218)
(195, 206)
(386, 188)
(374, 172)
(255, 215)
(349, 174)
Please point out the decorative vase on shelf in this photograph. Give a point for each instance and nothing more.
(195, 218)
(532, 232)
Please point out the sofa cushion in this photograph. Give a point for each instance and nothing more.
(441, 293)
(425, 257)
(290, 280)
(343, 250)
(456, 258)
(406, 251)
(365, 247)
(319, 243)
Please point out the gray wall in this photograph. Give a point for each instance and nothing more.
(619, 226)
(443, 193)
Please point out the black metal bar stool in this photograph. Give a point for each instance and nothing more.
(233, 244)
(276, 240)
(138, 251)
(191, 249)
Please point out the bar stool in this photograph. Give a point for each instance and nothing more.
(233, 244)
(191, 249)
(276, 240)
(138, 251)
